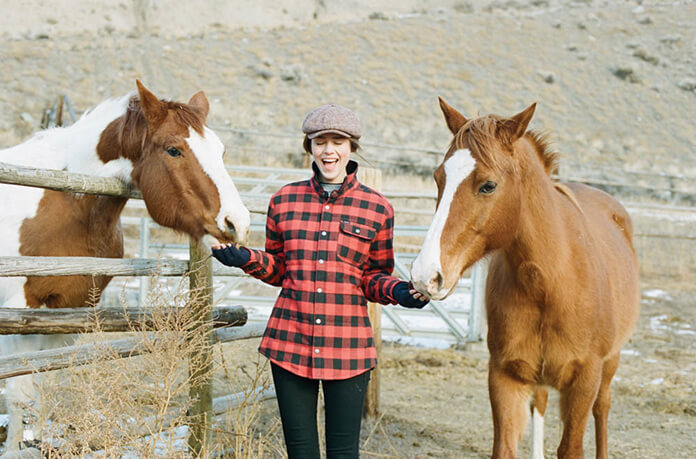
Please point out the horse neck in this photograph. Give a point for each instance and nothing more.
(74, 148)
(540, 234)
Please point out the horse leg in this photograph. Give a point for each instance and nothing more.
(509, 398)
(538, 410)
(576, 400)
(600, 409)
(22, 394)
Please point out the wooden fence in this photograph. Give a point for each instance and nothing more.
(199, 269)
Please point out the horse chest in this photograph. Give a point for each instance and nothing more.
(537, 346)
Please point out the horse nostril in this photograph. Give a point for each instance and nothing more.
(439, 280)
(435, 283)
(230, 225)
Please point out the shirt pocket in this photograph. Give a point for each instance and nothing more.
(354, 242)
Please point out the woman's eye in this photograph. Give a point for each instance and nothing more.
(173, 151)
(487, 188)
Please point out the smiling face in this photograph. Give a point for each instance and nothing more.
(331, 153)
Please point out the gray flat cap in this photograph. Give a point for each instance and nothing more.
(331, 118)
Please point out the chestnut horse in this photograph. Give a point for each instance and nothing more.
(165, 149)
(562, 293)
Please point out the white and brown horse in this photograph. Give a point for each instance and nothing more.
(562, 294)
(165, 149)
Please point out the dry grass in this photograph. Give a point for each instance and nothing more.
(138, 407)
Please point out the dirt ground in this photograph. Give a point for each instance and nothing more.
(434, 402)
(615, 84)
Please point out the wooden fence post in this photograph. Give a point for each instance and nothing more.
(373, 178)
(201, 360)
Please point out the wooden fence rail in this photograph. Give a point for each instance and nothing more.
(84, 354)
(21, 321)
(65, 181)
(72, 266)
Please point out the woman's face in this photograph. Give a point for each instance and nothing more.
(331, 153)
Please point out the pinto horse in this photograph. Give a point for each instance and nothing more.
(562, 293)
(165, 149)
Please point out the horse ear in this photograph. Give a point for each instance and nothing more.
(454, 119)
(155, 111)
(517, 125)
(200, 102)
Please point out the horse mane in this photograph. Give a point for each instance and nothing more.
(484, 133)
(541, 144)
(131, 133)
(482, 136)
(184, 114)
(187, 115)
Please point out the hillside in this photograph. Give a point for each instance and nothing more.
(615, 82)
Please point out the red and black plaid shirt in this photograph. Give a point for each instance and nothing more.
(331, 253)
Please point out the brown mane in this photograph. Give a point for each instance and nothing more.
(481, 134)
(126, 136)
(541, 143)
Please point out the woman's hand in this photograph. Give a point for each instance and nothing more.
(231, 254)
(408, 297)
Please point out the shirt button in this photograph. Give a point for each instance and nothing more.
(318, 321)
(321, 262)
(323, 233)
(316, 351)
(357, 230)
(327, 207)
(319, 290)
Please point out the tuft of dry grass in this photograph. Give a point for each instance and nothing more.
(138, 406)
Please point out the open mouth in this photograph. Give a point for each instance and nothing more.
(329, 163)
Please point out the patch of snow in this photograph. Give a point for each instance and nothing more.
(657, 293)
(685, 332)
(430, 343)
(631, 352)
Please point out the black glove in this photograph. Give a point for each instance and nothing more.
(232, 255)
(404, 298)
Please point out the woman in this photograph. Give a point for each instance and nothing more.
(329, 245)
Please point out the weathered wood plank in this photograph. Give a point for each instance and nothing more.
(21, 321)
(201, 359)
(373, 178)
(66, 181)
(87, 266)
(84, 354)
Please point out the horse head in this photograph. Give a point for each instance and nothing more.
(478, 199)
(178, 166)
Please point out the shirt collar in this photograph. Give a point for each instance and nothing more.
(350, 182)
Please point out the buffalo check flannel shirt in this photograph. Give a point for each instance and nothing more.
(331, 253)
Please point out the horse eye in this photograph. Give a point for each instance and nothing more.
(487, 188)
(173, 152)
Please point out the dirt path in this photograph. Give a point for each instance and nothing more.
(435, 402)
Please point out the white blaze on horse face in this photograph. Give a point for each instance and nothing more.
(426, 272)
(208, 150)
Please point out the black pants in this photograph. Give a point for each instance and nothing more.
(297, 401)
